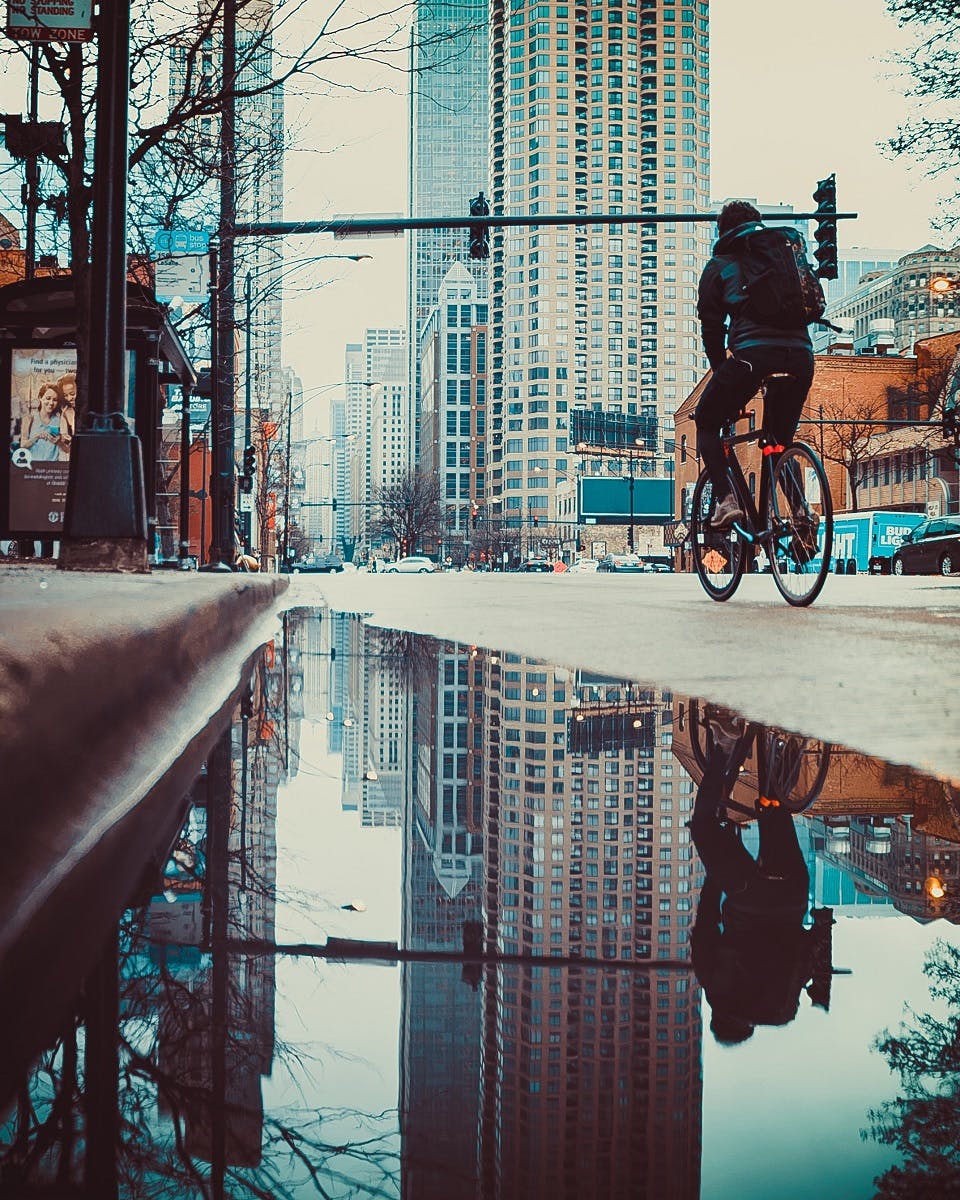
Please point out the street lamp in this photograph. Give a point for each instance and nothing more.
(333, 494)
(558, 475)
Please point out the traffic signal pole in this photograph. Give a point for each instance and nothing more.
(369, 226)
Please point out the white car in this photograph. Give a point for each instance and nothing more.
(583, 566)
(411, 565)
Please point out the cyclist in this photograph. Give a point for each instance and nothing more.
(750, 949)
(755, 351)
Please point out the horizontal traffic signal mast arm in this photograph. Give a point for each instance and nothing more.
(365, 226)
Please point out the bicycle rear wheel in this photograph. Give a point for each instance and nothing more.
(718, 555)
(800, 517)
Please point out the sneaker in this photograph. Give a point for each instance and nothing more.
(726, 728)
(726, 512)
(805, 528)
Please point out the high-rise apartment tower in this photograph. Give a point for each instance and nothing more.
(448, 153)
(594, 108)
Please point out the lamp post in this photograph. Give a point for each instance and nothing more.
(558, 476)
(631, 460)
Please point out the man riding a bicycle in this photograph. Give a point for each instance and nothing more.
(756, 351)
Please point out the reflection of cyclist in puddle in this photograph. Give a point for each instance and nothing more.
(750, 949)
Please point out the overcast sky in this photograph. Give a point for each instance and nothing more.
(797, 92)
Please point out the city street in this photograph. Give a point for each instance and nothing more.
(874, 664)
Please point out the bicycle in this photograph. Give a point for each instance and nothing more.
(789, 770)
(796, 528)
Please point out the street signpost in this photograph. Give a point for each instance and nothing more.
(181, 241)
(50, 20)
(183, 277)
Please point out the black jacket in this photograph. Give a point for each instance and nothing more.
(722, 297)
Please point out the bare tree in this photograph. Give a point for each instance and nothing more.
(934, 66)
(409, 511)
(856, 440)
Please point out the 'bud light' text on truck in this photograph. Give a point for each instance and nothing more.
(869, 539)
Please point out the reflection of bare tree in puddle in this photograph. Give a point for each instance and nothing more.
(923, 1123)
(412, 654)
(176, 1034)
(169, 1107)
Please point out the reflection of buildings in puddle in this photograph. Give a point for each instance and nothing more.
(877, 830)
(562, 837)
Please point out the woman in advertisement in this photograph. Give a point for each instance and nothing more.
(42, 427)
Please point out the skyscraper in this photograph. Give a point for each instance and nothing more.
(448, 152)
(602, 109)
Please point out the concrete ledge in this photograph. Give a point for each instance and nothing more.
(105, 682)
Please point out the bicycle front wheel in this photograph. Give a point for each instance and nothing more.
(799, 519)
(718, 555)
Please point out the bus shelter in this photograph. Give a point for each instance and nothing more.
(39, 400)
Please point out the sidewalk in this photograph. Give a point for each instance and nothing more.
(109, 690)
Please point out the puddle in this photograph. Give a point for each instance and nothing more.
(447, 922)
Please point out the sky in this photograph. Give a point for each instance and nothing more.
(796, 93)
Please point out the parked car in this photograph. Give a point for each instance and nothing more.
(584, 566)
(622, 563)
(323, 563)
(413, 564)
(933, 548)
(536, 564)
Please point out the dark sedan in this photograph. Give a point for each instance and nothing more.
(536, 564)
(324, 564)
(933, 548)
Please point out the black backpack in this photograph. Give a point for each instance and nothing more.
(780, 287)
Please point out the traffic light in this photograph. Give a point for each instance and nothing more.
(334, 504)
(479, 234)
(249, 469)
(475, 515)
(536, 520)
(826, 232)
(951, 416)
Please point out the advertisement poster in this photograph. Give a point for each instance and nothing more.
(43, 394)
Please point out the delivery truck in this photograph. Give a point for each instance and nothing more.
(869, 539)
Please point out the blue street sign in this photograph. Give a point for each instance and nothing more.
(181, 241)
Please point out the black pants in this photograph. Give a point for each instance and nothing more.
(779, 873)
(734, 384)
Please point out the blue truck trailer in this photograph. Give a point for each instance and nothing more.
(870, 538)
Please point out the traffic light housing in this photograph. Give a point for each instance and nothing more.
(951, 417)
(334, 504)
(475, 515)
(826, 233)
(249, 469)
(479, 234)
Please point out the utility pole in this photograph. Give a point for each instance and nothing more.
(105, 519)
(222, 475)
(286, 472)
(32, 186)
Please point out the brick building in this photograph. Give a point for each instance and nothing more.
(902, 468)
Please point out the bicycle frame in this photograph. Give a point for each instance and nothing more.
(750, 530)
